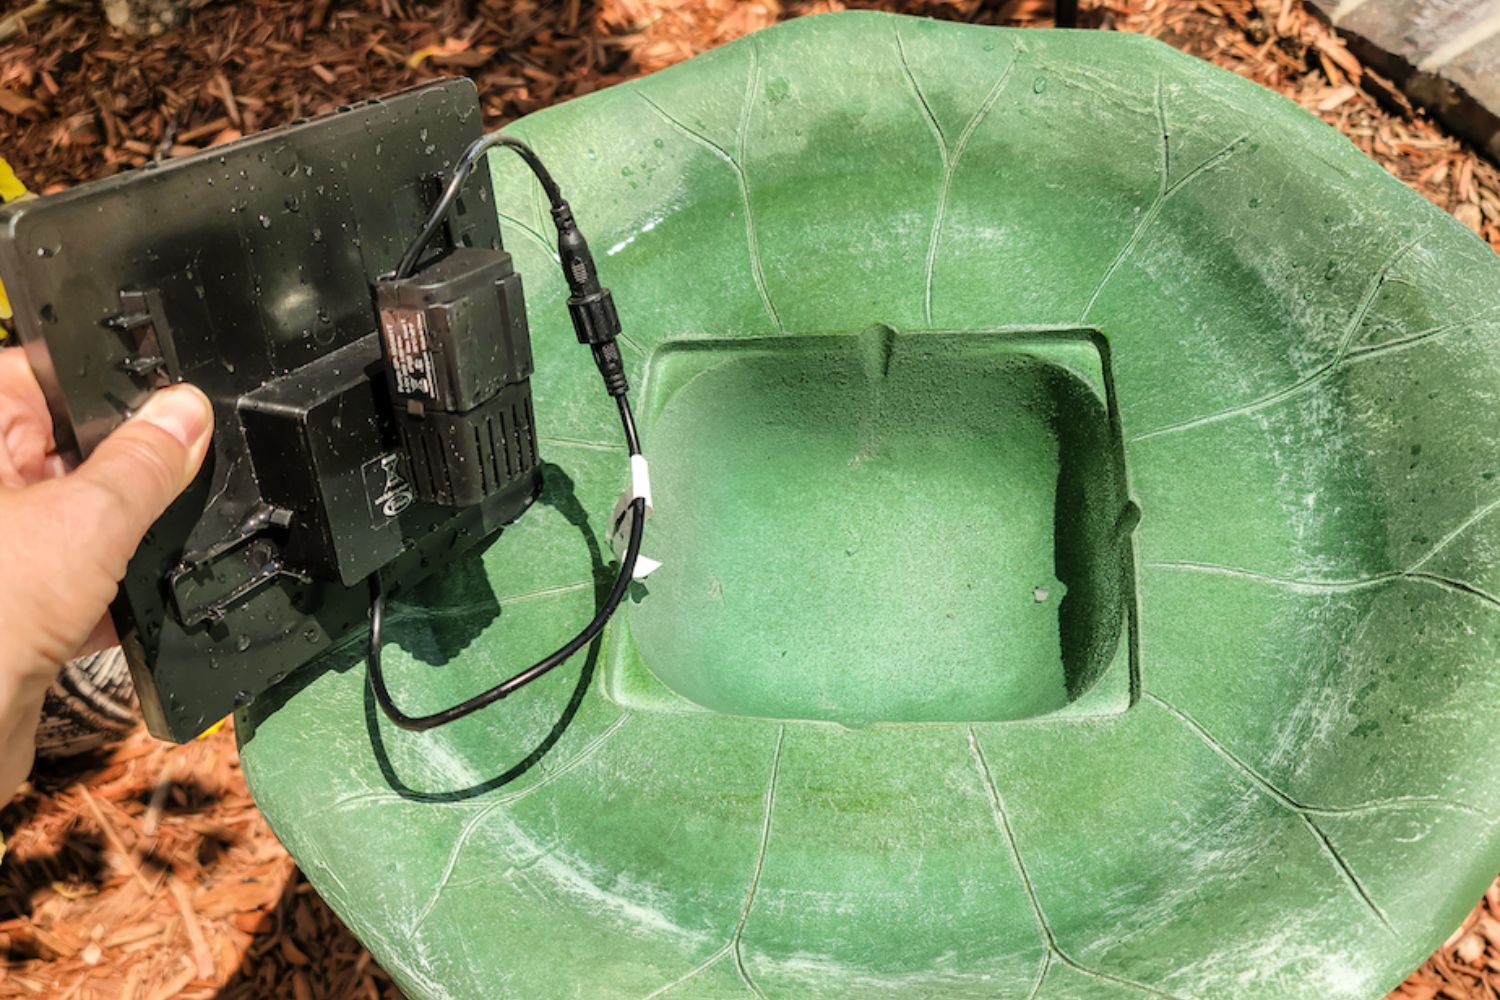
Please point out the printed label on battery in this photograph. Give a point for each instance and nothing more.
(406, 344)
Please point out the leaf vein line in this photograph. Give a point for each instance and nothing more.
(942, 144)
(1411, 572)
(1343, 354)
(472, 824)
(702, 966)
(1268, 788)
(567, 442)
(736, 940)
(945, 193)
(1164, 194)
(757, 268)
(1041, 976)
(527, 231)
(733, 945)
(1342, 864)
(1049, 939)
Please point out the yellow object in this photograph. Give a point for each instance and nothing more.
(11, 188)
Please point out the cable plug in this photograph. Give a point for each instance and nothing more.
(591, 306)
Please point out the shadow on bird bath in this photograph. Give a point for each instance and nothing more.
(437, 638)
(437, 621)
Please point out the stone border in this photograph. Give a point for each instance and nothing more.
(1445, 54)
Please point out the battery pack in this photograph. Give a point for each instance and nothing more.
(458, 366)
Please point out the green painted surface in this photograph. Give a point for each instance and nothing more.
(842, 508)
(915, 707)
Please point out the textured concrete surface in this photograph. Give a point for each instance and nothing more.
(1444, 53)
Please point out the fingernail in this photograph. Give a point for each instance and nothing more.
(180, 410)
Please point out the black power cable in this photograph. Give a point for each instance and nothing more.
(456, 180)
(597, 324)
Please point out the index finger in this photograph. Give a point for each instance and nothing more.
(26, 442)
(18, 383)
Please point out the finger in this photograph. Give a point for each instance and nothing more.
(25, 425)
(18, 382)
(138, 470)
(20, 714)
(66, 542)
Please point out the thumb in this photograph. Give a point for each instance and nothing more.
(140, 469)
(73, 537)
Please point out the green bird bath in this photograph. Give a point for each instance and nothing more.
(1076, 482)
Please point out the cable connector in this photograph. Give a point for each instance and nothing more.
(612, 368)
(594, 317)
(597, 325)
(573, 252)
(590, 305)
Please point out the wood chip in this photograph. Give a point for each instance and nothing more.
(202, 957)
(112, 837)
(175, 985)
(1337, 98)
(13, 103)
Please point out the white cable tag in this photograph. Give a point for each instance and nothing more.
(619, 521)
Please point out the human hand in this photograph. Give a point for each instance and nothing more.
(66, 537)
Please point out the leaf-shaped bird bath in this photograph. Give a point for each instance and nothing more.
(1077, 475)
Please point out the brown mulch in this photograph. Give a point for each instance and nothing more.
(1467, 966)
(146, 872)
(79, 101)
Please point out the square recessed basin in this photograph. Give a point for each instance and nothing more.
(883, 528)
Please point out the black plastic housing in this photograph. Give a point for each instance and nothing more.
(459, 367)
(248, 270)
(459, 459)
